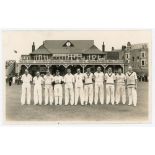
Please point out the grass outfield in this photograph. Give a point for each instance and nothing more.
(106, 113)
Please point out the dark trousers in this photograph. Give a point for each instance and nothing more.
(10, 83)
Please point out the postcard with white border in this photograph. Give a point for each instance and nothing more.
(90, 76)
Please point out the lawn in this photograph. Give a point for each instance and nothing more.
(106, 113)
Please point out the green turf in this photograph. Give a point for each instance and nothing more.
(106, 113)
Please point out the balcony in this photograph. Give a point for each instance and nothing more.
(59, 62)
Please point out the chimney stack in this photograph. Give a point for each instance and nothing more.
(128, 45)
(112, 48)
(123, 48)
(33, 47)
(103, 47)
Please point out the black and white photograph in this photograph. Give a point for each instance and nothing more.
(80, 76)
(77, 77)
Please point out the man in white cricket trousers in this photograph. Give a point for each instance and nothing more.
(69, 91)
(120, 87)
(14, 79)
(48, 78)
(110, 81)
(88, 87)
(79, 87)
(132, 86)
(26, 87)
(58, 88)
(99, 86)
(38, 81)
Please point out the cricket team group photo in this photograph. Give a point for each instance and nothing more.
(82, 79)
(79, 88)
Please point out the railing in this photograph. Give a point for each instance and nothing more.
(70, 61)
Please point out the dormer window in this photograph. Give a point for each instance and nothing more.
(68, 44)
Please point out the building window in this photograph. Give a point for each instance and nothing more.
(143, 54)
(127, 56)
(128, 61)
(143, 63)
(37, 58)
(40, 57)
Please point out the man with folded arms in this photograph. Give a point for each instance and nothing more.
(58, 80)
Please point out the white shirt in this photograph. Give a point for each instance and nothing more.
(88, 78)
(110, 77)
(120, 79)
(99, 77)
(131, 77)
(68, 78)
(48, 79)
(26, 78)
(79, 79)
(38, 80)
(58, 79)
(14, 78)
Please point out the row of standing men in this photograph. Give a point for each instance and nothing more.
(80, 87)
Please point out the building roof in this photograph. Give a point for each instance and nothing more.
(119, 50)
(60, 47)
(41, 50)
(139, 46)
(78, 44)
(93, 50)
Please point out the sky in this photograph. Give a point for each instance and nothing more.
(21, 41)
